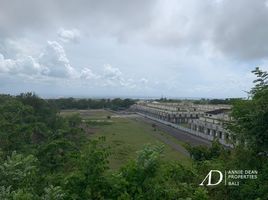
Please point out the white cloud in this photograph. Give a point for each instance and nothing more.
(144, 81)
(71, 35)
(55, 60)
(16, 47)
(112, 76)
(87, 74)
(52, 62)
(24, 65)
(112, 73)
(6, 65)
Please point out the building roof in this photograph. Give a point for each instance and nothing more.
(218, 111)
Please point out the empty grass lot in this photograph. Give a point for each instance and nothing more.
(126, 136)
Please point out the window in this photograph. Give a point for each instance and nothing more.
(214, 133)
(220, 134)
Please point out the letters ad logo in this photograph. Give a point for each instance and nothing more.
(209, 178)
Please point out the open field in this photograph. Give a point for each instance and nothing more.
(88, 114)
(127, 134)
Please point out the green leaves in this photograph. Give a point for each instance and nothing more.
(261, 81)
(53, 193)
(7, 194)
(250, 117)
(201, 153)
(148, 159)
(18, 171)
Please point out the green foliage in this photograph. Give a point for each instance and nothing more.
(215, 101)
(71, 103)
(45, 145)
(148, 178)
(18, 171)
(92, 123)
(18, 176)
(250, 117)
(148, 159)
(89, 180)
(5, 193)
(94, 164)
(74, 120)
(56, 154)
(22, 195)
(53, 193)
(261, 83)
(201, 153)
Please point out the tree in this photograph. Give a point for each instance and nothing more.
(90, 180)
(250, 117)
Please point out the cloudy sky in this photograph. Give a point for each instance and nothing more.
(133, 48)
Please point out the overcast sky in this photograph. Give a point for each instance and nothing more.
(145, 48)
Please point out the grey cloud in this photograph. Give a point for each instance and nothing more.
(110, 16)
(237, 29)
(241, 29)
(196, 39)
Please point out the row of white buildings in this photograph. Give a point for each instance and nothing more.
(206, 121)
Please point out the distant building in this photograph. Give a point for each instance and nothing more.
(212, 124)
(207, 121)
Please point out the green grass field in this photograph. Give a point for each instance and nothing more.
(126, 136)
(88, 114)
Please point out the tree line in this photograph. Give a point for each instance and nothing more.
(229, 101)
(72, 103)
